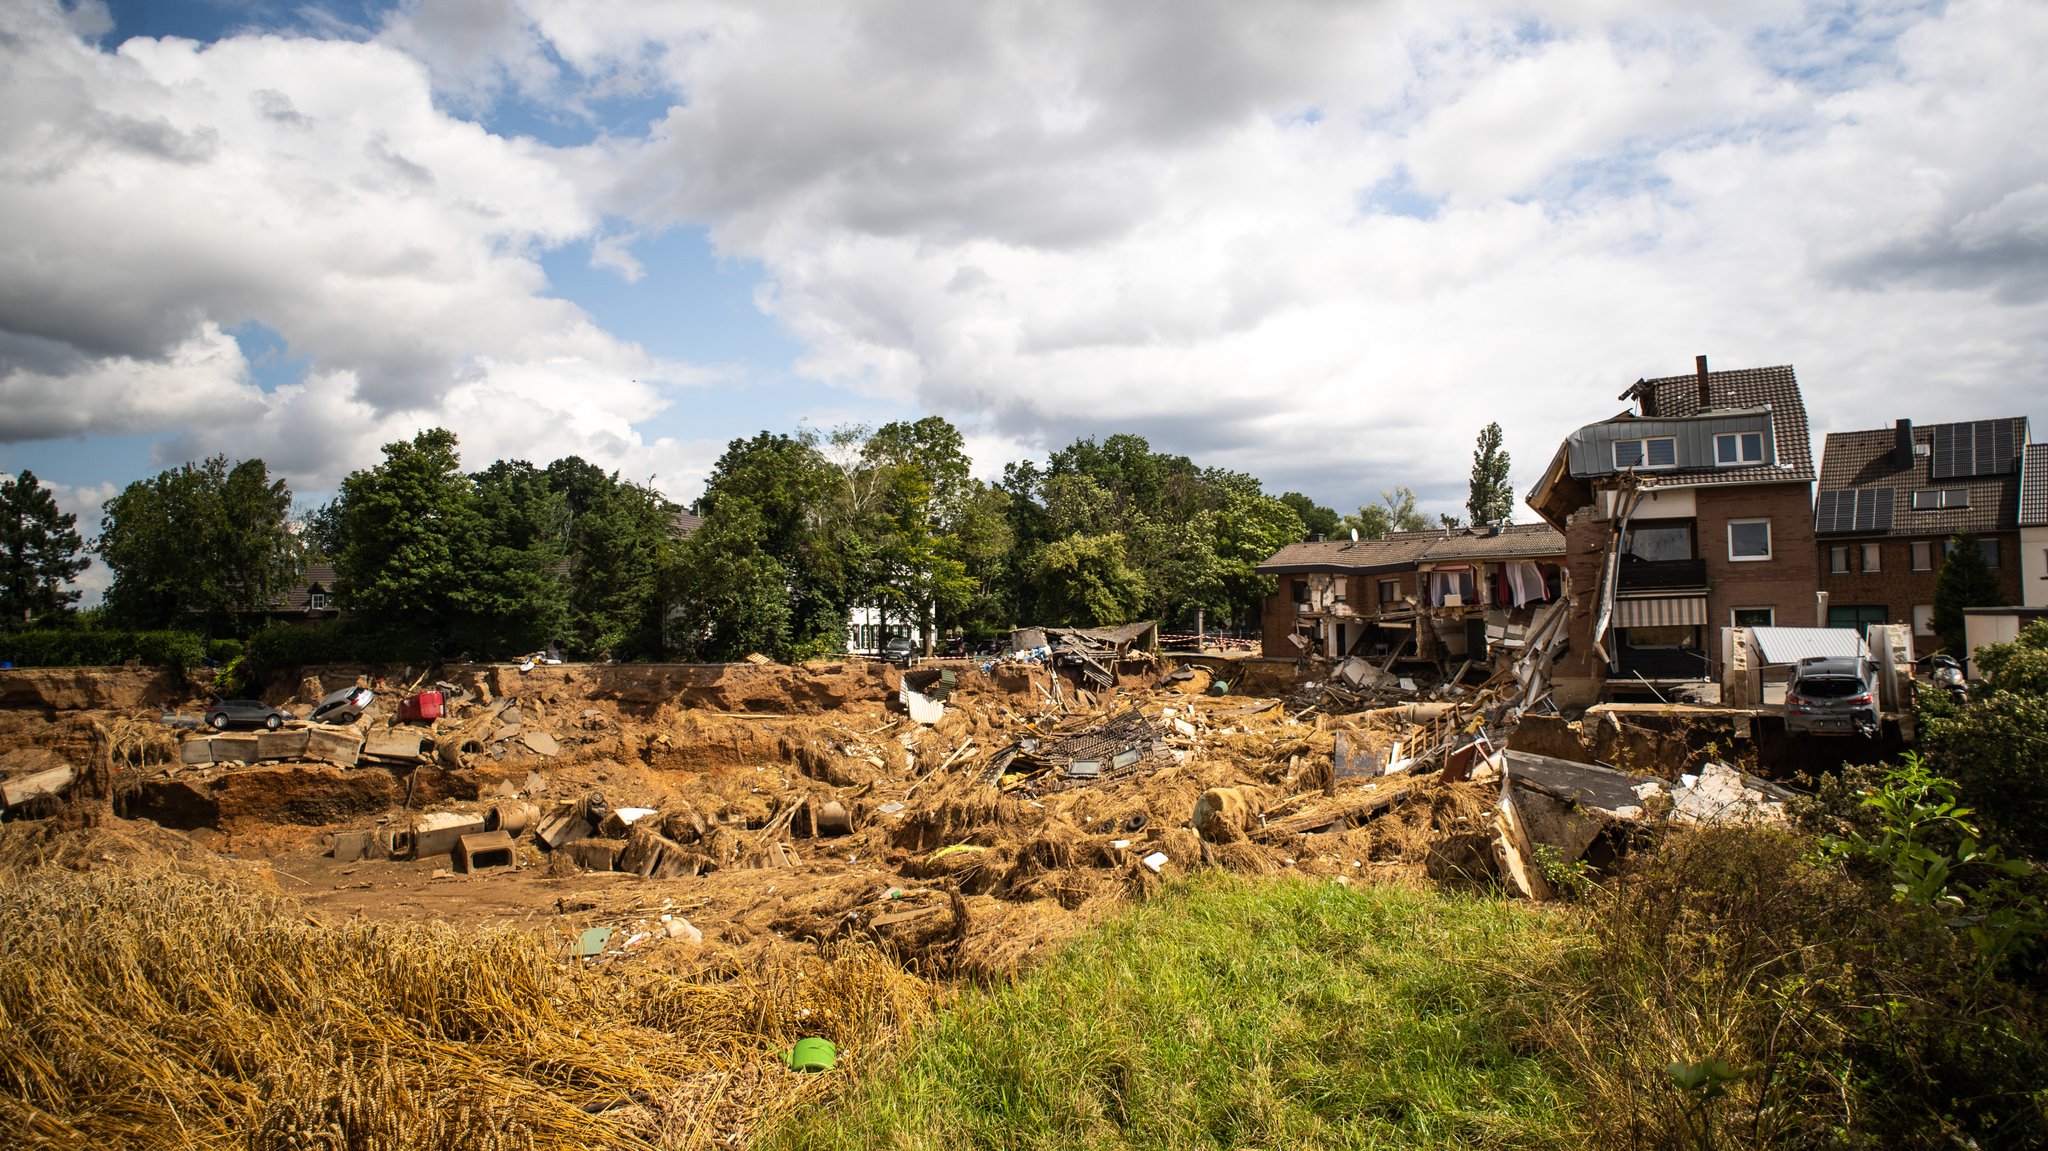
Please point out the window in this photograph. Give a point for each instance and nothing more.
(316, 601)
(1657, 452)
(1738, 448)
(1390, 591)
(1651, 540)
(1749, 539)
(1923, 619)
(1300, 591)
(1752, 616)
(1923, 555)
(1871, 560)
(1936, 499)
(1989, 550)
(1858, 616)
(1838, 559)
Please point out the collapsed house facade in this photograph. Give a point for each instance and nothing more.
(1433, 595)
(1689, 513)
(1891, 502)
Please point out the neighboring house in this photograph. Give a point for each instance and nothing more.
(2033, 565)
(310, 598)
(1344, 597)
(1690, 513)
(868, 626)
(1891, 499)
(687, 523)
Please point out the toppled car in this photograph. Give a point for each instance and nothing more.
(226, 713)
(1830, 695)
(342, 706)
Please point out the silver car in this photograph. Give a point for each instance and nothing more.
(1830, 695)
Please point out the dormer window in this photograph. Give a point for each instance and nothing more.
(1655, 452)
(1732, 449)
(316, 598)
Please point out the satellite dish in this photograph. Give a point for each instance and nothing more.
(1354, 535)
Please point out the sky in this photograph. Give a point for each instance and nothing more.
(1320, 242)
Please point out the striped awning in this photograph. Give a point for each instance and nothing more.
(1661, 611)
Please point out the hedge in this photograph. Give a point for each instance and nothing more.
(96, 647)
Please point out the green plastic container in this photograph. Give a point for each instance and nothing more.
(812, 1054)
(1219, 688)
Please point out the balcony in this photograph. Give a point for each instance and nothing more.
(1661, 575)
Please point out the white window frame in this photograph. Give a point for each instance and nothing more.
(1872, 559)
(1768, 611)
(1643, 446)
(1940, 499)
(316, 601)
(1732, 557)
(1740, 460)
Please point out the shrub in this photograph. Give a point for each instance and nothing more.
(92, 647)
(1996, 746)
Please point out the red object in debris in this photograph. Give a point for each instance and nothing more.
(425, 705)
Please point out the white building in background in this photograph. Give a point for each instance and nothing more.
(2034, 527)
(865, 630)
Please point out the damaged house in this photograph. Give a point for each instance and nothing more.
(1689, 513)
(1471, 586)
(1892, 500)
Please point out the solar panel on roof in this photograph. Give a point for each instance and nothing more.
(1824, 506)
(1863, 510)
(1980, 448)
(1949, 442)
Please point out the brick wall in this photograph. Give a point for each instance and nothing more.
(1786, 582)
(1895, 586)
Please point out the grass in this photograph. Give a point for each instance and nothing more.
(1236, 1013)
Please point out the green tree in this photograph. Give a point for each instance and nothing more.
(923, 469)
(1965, 581)
(1491, 500)
(39, 552)
(1996, 745)
(1316, 520)
(203, 542)
(518, 583)
(621, 537)
(1087, 580)
(727, 596)
(1394, 513)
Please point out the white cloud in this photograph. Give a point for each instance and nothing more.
(1323, 242)
(162, 194)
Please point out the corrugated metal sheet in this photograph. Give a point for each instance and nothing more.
(1789, 645)
(1591, 448)
(1661, 611)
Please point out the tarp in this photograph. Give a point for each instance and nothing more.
(1661, 611)
(1789, 645)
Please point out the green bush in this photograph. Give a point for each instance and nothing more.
(1996, 746)
(94, 647)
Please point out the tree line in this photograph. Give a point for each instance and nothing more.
(799, 531)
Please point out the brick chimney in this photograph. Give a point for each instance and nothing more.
(1706, 397)
(1902, 444)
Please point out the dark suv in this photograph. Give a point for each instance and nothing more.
(1830, 695)
(898, 649)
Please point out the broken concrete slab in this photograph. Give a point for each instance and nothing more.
(1721, 794)
(594, 854)
(280, 744)
(350, 846)
(336, 745)
(540, 743)
(234, 749)
(565, 824)
(36, 785)
(195, 751)
(439, 832)
(392, 744)
(483, 849)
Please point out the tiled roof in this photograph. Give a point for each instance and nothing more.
(2034, 487)
(1866, 460)
(687, 524)
(1402, 550)
(299, 598)
(1669, 396)
(1512, 541)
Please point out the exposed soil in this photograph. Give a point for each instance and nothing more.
(962, 856)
